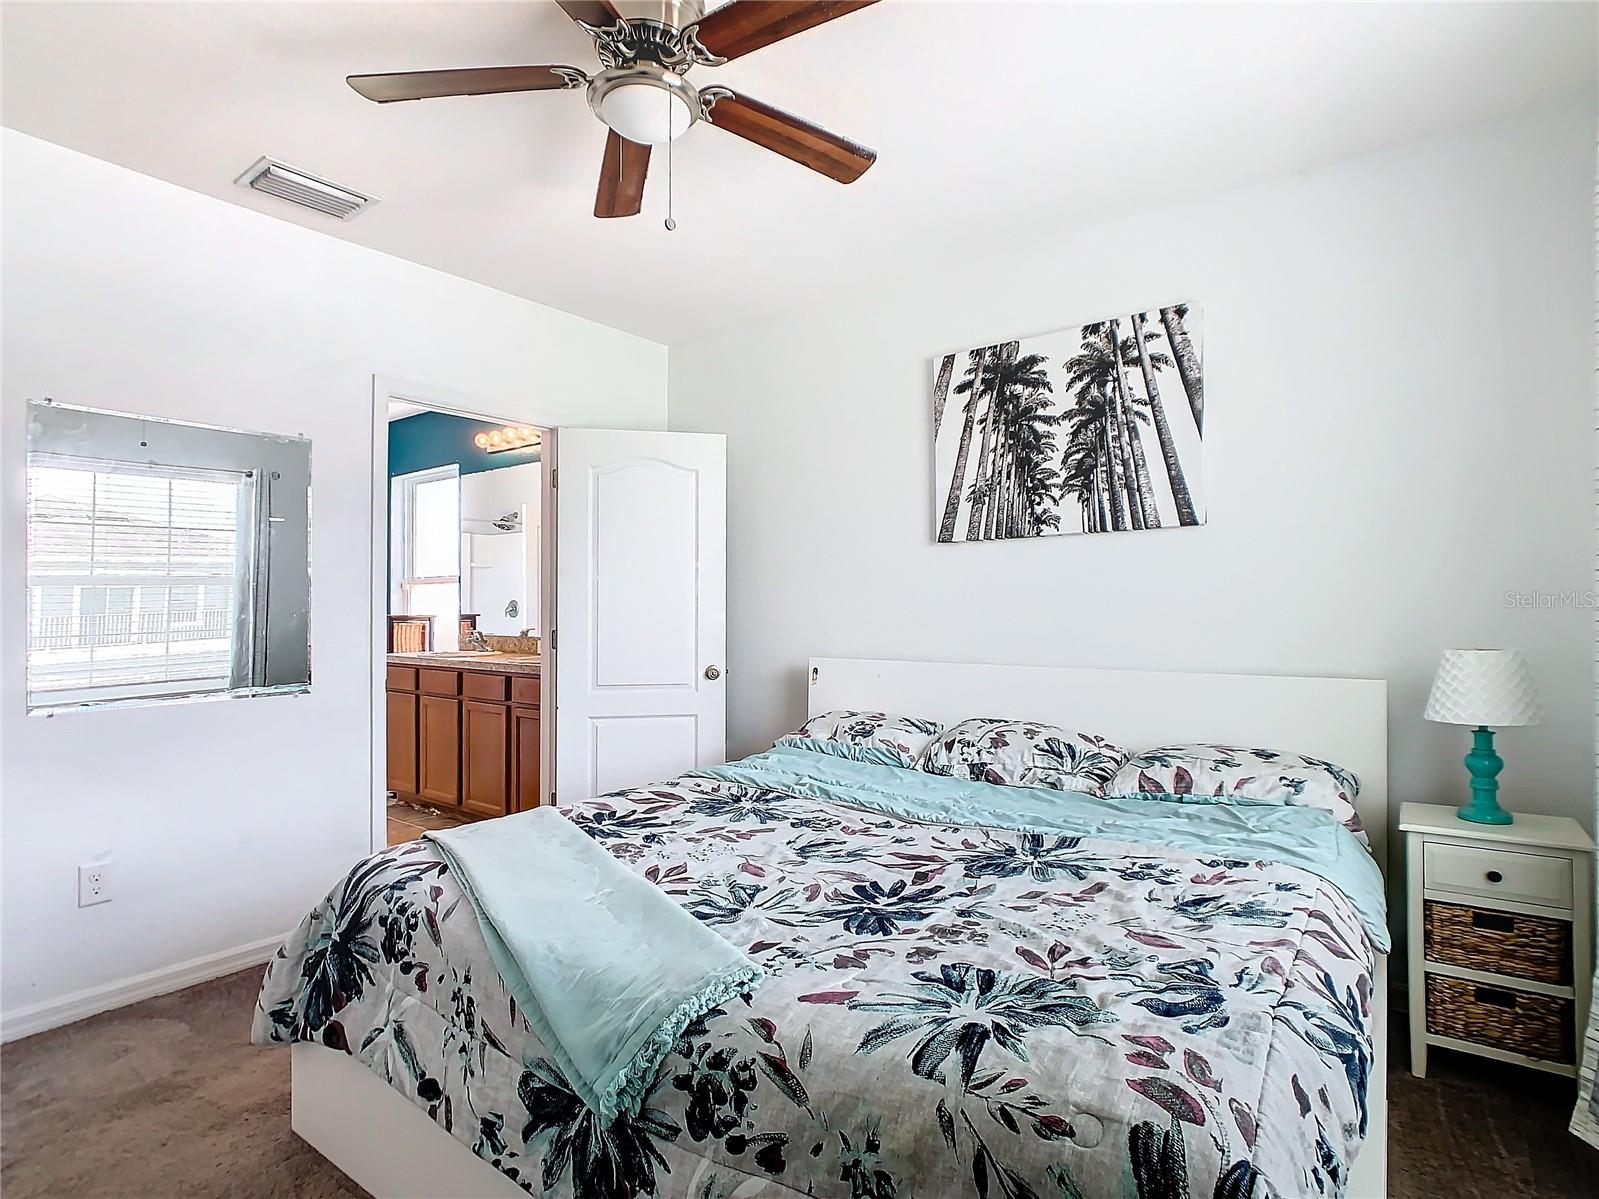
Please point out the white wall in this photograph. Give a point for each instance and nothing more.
(1398, 377)
(226, 820)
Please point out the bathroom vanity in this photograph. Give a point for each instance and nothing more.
(463, 731)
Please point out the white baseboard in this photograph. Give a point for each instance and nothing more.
(52, 1013)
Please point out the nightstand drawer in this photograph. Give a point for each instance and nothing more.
(1537, 1026)
(1509, 943)
(1498, 873)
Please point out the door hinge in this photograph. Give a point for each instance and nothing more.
(555, 478)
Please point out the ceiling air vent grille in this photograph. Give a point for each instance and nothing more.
(295, 186)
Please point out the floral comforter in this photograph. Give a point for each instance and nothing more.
(949, 1010)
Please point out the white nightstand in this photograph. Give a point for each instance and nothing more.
(1500, 936)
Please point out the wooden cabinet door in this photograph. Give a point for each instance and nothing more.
(440, 767)
(402, 743)
(525, 759)
(485, 758)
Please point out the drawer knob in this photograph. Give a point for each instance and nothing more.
(1495, 877)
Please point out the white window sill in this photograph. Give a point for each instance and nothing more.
(186, 697)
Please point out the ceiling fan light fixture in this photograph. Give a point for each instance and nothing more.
(645, 114)
(645, 48)
(644, 103)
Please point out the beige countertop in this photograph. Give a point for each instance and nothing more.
(495, 662)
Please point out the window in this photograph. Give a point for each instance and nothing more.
(118, 555)
(427, 550)
(153, 550)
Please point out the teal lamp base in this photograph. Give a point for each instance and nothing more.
(1484, 765)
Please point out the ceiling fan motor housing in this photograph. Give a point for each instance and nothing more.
(641, 93)
(652, 31)
(677, 14)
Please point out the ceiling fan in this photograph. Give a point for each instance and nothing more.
(645, 48)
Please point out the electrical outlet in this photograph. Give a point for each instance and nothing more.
(94, 884)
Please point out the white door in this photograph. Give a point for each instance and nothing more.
(641, 610)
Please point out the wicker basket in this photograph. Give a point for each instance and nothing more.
(1537, 1026)
(1510, 943)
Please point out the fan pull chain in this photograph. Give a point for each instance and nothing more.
(670, 223)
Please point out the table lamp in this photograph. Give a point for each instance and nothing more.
(1484, 689)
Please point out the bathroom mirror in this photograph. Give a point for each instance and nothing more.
(165, 560)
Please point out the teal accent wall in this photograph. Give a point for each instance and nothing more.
(431, 439)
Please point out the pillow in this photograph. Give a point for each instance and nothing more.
(881, 738)
(1019, 753)
(1234, 774)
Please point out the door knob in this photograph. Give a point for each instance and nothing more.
(713, 673)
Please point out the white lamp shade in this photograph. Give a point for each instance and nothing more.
(1489, 687)
(650, 116)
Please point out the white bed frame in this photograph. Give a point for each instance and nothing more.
(392, 1149)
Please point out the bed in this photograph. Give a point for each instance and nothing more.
(950, 1008)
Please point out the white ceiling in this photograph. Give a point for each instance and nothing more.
(994, 122)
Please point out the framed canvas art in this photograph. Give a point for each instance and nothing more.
(1096, 429)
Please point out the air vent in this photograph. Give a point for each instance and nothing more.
(286, 183)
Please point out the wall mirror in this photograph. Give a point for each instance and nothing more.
(165, 560)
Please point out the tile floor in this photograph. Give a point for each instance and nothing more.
(408, 822)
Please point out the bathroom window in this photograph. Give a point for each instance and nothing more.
(163, 560)
(427, 549)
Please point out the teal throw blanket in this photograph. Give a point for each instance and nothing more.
(607, 969)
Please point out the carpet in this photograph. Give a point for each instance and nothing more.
(162, 1098)
(167, 1098)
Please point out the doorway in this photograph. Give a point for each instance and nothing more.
(463, 599)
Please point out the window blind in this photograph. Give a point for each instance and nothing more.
(136, 577)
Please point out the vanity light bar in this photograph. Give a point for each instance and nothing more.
(512, 437)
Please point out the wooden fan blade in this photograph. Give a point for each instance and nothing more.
(745, 25)
(470, 81)
(591, 12)
(807, 144)
(622, 174)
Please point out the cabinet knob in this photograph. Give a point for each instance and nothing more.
(713, 673)
(1495, 877)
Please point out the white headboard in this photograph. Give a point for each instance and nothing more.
(1342, 720)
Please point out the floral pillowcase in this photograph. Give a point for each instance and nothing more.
(881, 738)
(1234, 774)
(1018, 753)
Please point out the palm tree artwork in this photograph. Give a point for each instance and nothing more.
(1097, 429)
